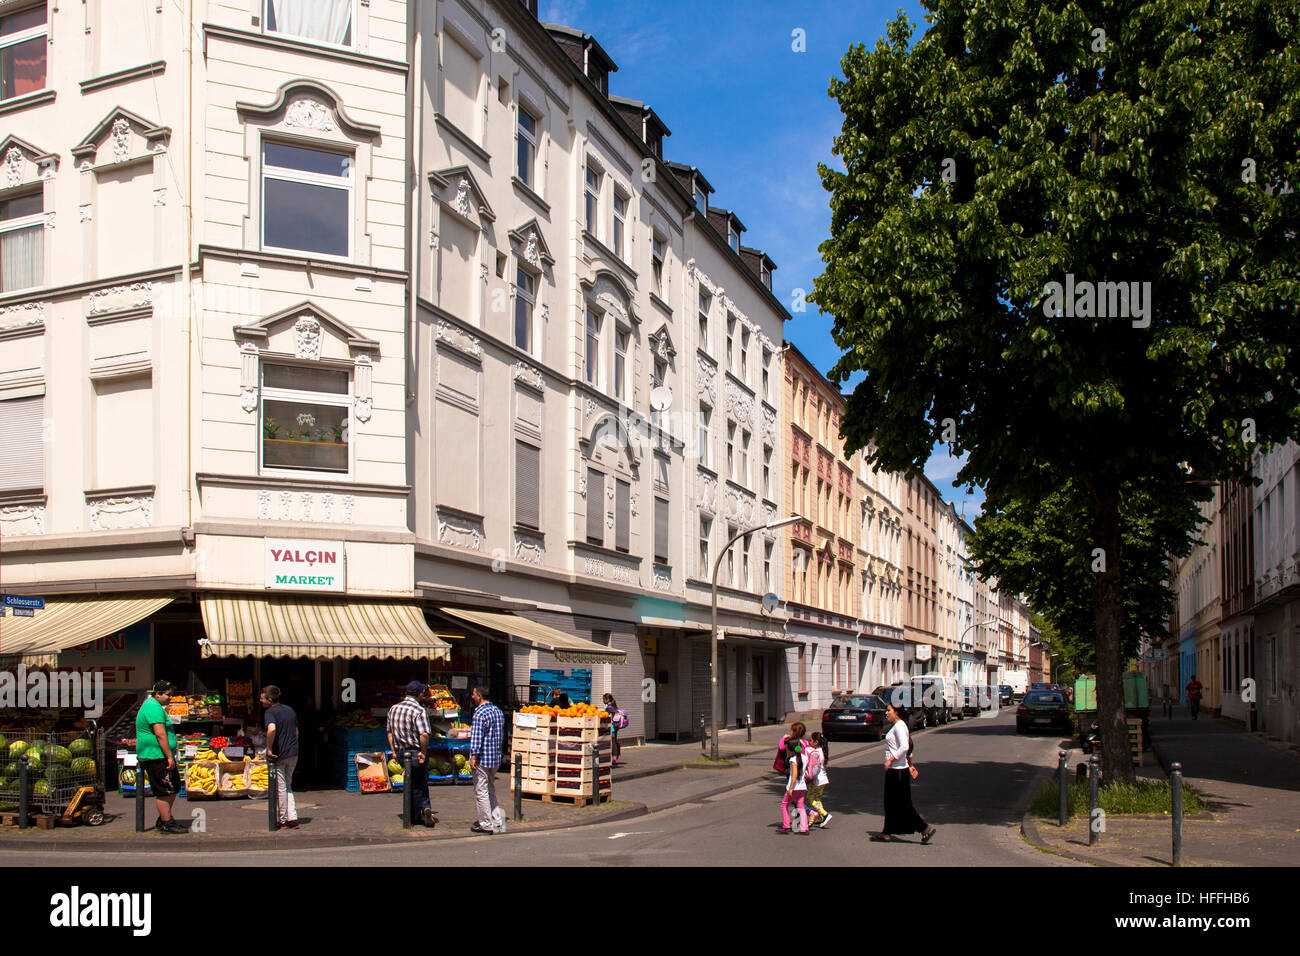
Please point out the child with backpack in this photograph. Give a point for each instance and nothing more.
(795, 784)
(818, 754)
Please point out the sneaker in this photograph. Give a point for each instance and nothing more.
(782, 830)
(171, 826)
(498, 821)
(477, 828)
(291, 825)
(824, 820)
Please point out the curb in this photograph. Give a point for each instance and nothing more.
(1029, 830)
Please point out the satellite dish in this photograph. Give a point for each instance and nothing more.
(661, 397)
(770, 601)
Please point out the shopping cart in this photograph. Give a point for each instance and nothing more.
(65, 773)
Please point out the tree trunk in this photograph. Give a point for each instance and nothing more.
(1108, 611)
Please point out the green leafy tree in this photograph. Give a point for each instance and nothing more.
(999, 170)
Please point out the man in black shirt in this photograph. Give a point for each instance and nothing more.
(282, 752)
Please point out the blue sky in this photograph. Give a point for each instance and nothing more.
(755, 117)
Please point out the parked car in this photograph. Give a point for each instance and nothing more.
(1044, 710)
(938, 695)
(1006, 696)
(975, 698)
(1042, 685)
(901, 693)
(855, 716)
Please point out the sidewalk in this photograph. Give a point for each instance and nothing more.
(1250, 785)
(648, 778)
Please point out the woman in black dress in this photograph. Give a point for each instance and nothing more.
(900, 815)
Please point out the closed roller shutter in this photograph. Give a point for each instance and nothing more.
(661, 530)
(595, 507)
(701, 687)
(22, 466)
(625, 685)
(622, 517)
(528, 495)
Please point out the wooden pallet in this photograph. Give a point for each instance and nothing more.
(39, 821)
(567, 799)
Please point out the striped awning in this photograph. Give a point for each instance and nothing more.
(67, 622)
(566, 647)
(298, 626)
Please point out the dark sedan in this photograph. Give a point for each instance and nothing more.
(1044, 710)
(856, 716)
(902, 693)
(1006, 696)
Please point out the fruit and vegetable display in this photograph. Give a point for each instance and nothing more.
(442, 697)
(372, 773)
(462, 765)
(259, 777)
(201, 778)
(356, 720)
(577, 710)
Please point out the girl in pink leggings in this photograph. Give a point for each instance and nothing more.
(795, 786)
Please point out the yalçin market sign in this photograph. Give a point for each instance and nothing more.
(301, 565)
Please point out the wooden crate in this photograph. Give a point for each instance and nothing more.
(582, 759)
(571, 799)
(572, 777)
(532, 787)
(534, 745)
(38, 821)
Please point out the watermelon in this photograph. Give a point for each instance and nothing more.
(58, 777)
(34, 758)
(127, 776)
(42, 788)
(80, 748)
(7, 785)
(17, 747)
(83, 767)
(4, 742)
(61, 754)
(11, 770)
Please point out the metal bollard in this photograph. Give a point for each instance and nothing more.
(703, 748)
(519, 786)
(407, 787)
(1094, 779)
(272, 796)
(749, 730)
(1176, 793)
(24, 791)
(140, 779)
(1064, 783)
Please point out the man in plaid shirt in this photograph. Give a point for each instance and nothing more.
(408, 732)
(485, 736)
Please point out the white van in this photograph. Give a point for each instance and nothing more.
(938, 695)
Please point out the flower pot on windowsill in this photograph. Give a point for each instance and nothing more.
(315, 455)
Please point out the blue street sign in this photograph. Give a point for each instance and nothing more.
(18, 600)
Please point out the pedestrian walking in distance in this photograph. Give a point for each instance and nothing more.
(1194, 696)
(900, 815)
(281, 724)
(487, 728)
(795, 785)
(818, 753)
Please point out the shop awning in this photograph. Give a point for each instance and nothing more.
(298, 626)
(67, 622)
(565, 647)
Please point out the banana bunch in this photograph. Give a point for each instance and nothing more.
(202, 779)
(232, 781)
(259, 777)
(206, 753)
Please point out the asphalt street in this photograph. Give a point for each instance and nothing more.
(976, 779)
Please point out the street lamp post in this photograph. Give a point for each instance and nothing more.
(772, 526)
(961, 641)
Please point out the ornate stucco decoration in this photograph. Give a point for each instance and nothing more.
(307, 113)
(306, 337)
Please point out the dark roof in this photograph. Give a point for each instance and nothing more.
(572, 41)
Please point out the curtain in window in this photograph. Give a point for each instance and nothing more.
(21, 258)
(328, 21)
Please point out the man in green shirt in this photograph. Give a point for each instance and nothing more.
(155, 749)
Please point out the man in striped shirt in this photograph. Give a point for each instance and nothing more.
(485, 736)
(408, 732)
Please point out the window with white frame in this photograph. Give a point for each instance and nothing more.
(706, 415)
(306, 200)
(731, 337)
(767, 472)
(525, 298)
(731, 450)
(621, 339)
(23, 51)
(592, 365)
(304, 418)
(767, 377)
(731, 556)
(744, 458)
(706, 301)
(706, 532)
(22, 422)
(593, 199)
(768, 584)
(733, 238)
(701, 199)
(620, 224)
(744, 564)
(526, 146)
(744, 354)
(22, 242)
(766, 274)
(657, 264)
(321, 21)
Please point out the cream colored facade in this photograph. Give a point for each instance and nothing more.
(1198, 584)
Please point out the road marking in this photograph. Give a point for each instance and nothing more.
(620, 835)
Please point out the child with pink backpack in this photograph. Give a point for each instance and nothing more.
(792, 747)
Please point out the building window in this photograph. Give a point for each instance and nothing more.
(767, 473)
(525, 297)
(593, 199)
(661, 473)
(593, 348)
(305, 418)
(768, 584)
(22, 421)
(622, 515)
(744, 565)
(323, 21)
(661, 530)
(706, 531)
(657, 264)
(706, 414)
(526, 149)
(620, 223)
(23, 51)
(744, 458)
(595, 507)
(744, 353)
(705, 302)
(731, 556)
(621, 337)
(528, 489)
(701, 200)
(731, 336)
(22, 242)
(306, 200)
(731, 450)
(733, 238)
(766, 274)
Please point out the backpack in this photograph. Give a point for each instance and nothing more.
(813, 769)
(620, 718)
(781, 764)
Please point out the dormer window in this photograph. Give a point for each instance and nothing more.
(321, 21)
(701, 200)
(733, 238)
(766, 274)
(601, 79)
